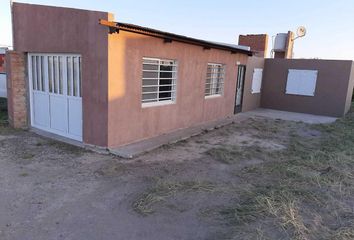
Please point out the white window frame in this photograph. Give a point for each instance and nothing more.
(215, 81)
(173, 84)
(257, 80)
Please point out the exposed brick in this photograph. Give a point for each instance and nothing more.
(257, 42)
(16, 89)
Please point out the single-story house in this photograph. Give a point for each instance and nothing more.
(81, 75)
(110, 89)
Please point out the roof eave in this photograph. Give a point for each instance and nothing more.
(117, 26)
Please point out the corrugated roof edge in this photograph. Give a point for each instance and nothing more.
(167, 35)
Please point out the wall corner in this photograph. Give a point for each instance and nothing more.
(17, 89)
(349, 97)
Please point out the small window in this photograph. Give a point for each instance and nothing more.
(61, 69)
(50, 73)
(76, 88)
(159, 81)
(214, 84)
(301, 82)
(257, 80)
(55, 74)
(69, 77)
(38, 73)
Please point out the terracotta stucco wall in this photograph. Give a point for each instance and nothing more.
(44, 29)
(128, 121)
(331, 87)
(251, 100)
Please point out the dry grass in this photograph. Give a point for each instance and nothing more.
(285, 209)
(312, 179)
(303, 192)
(111, 169)
(24, 174)
(162, 190)
(345, 233)
(228, 154)
(27, 155)
(65, 147)
(4, 123)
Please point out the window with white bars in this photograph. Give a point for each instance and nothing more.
(214, 84)
(57, 74)
(159, 81)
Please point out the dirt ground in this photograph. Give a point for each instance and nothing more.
(258, 179)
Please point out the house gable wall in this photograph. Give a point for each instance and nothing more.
(44, 29)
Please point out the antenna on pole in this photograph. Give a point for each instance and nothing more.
(300, 32)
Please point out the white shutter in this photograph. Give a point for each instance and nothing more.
(301, 82)
(257, 80)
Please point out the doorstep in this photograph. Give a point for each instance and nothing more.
(290, 116)
(134, 149)
(56, 137)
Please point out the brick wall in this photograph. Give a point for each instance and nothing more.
(16, 89)
(257, 42)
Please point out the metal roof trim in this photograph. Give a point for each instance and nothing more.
(166, 35)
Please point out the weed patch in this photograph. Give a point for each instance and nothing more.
(163, 190)
(312, 177)
(27, 156)
(233, 154)
(23, 174)
(110, 169)
(67, 148)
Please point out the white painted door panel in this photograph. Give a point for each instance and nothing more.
(58, 113)
(75, 116)
(257, 80)
(41, 109)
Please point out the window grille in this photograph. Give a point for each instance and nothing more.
(214, 84)
(159, 81)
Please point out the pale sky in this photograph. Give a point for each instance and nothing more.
(329, 23)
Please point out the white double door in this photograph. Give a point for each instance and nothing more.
(55, 93)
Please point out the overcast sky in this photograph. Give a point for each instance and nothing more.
(330, 24)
